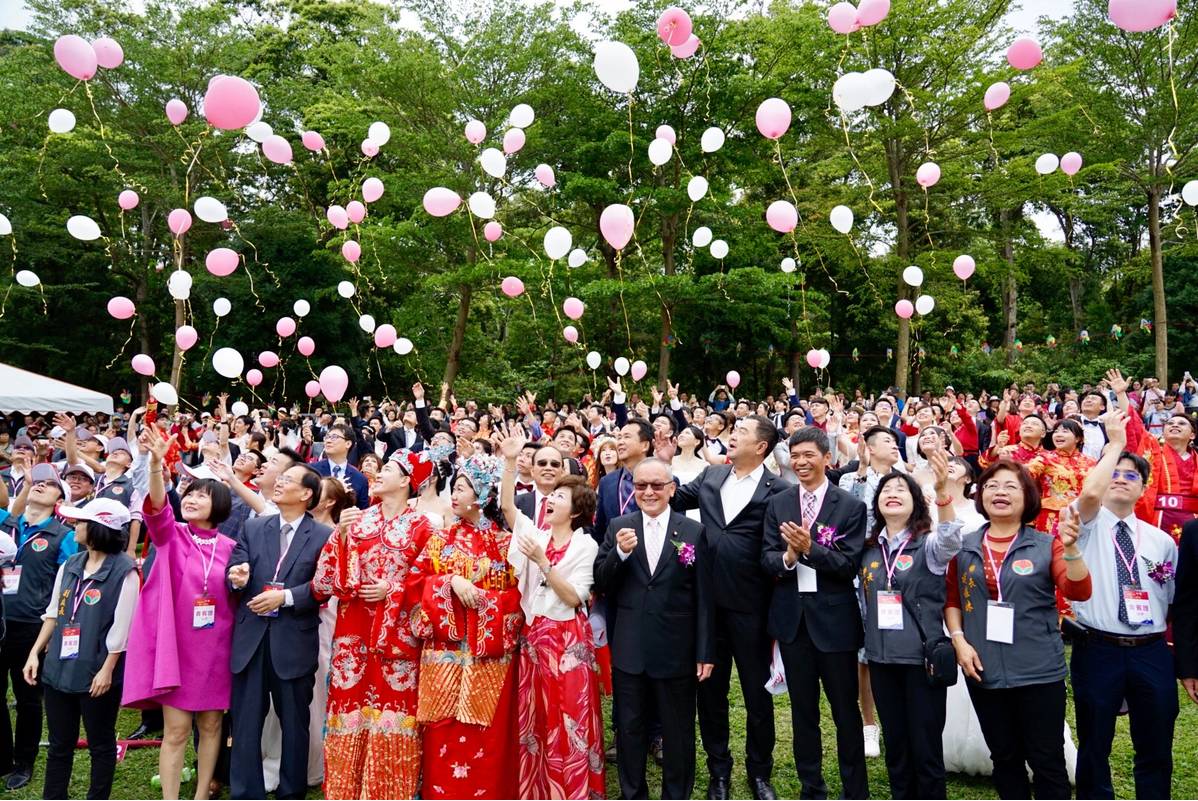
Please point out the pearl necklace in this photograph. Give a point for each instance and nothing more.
(198, 540)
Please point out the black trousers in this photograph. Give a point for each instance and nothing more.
(1024, 727)
(912, 714)
(63, 713)
(21, 750)
(674, 702)
(806, 668)
(740, 637)
(253, 690)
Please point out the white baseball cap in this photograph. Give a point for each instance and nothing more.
(105, 511)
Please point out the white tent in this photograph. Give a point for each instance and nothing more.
(23, 391)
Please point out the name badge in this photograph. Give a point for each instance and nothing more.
(890, 611)
(203, 613)
(12, 579)
(70, 643)
(1139, 611)
(1000, 622)
(272, 585)
(806, 577)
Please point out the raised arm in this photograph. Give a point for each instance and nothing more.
(1099, 477)
(157, 445)
(510, 445)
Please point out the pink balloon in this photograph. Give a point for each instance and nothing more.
(441, 202)
(782, 216)
(997, 96)
(337, 217)
(277, 149)
(186, 336)
(312, 389)
(871, 12)
(773, 118)
(842, 18)
(570, 333)
(128, 200)
(385, 336)
(312, 140)
(285, 327)
(928, 174)
(268, 359)
(667, 133)
(813, 358)
(352, 251)
(963, 266)
(109, 53)
(76, 57)
(512, 286)
(1024, 53)
(513, 140)
(306, 346)
(253, 376)
(370, 148)
(121, 307)
(143, 364)
(355, 211)
(475, 132)
(492, 231)
(687, 48)
(573, 307)
(1138, 16)
(639, 368)
(372, 189)
(616, 224)
(674, 26)
(221, 261)
(176, 111)
(545, 175)
(904, 308)
(179, 221)
(1071, 163)
(732, 379)
(333, 382)
(231, 103)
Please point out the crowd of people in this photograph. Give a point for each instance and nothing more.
(430, 599)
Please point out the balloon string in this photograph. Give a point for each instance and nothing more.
(631, 147)
(844, 126)
(1171, 33)
(990, 129)
(623, 307)
(132, 322)
(116, 164)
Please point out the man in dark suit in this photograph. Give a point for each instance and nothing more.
(814, 538)
(655, 568)
(1185, 611)
(275, 636)
(634, 440)
(337, 442)
(731, 500)
(548, 465)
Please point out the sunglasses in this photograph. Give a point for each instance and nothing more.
(1127, 475)
(656, 486)
(547, 463)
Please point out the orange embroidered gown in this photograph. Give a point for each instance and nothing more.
(1060, 477)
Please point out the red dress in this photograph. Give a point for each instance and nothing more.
(372, 742)
(467, 695)
(561, 721)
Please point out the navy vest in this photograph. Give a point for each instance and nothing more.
(38, 558)
(93, 616)
(922, 590)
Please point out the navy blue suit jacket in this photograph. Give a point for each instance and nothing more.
(615, 489)
(357, 481)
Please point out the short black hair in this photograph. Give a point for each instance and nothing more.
(669, 418)
(1142, 466)
(1096, 394)
(644, 429)
(311, 480)
(810, 434)
(291, 454)
(105, 539)
(873, 431)
(218, 493)
(766, 431)
(1031, 492)
(721, 417)
(820, 399)
(344, 430)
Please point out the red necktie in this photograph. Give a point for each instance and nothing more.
(541, 515)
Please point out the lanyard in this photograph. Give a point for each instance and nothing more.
(208, 561)
(624, 503)
(283, 555)
(29, 532)
(79, 596)
(890, 566)
(997, 569)
(1130, 564)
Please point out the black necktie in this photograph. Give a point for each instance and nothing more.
(1122, 574)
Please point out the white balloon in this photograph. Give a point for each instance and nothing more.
(850, 91)
(696, 188)
(379, 133)
(403, 346)
(259, 131)
(622, 366)
(366, 323)
(239, 408)
(165, 394)
(28, 278)
(1189, 193)
(493, 161)
(660, 151)
(712, 140)
(209, 209)
(227, 362)
(5, 226)
(521, 116)
(1047, 164)
(179, 285)
(578, 257)
(346, 289)
(701, 238)
(913, 276)
(789, 265)
(616, 66)
(557, 242)
(824, 358)
(221, 307)
(879, 85)
(482, 205)
(841, 219)
(62, 121)
(924, 304)
(719, 249)
(594, 360)
(301, 308)
(82, 227)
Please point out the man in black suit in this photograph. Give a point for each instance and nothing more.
(814, 538)
(655, 568)
(731, 500)
(548, 465)
(275, 636)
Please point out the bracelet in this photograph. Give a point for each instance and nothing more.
(1069, 558)
(957, 633)
(949, 502)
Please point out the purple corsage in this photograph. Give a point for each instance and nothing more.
(826, 535)
(1160, 572)
(686, 552)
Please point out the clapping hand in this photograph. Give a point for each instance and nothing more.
(797, 539)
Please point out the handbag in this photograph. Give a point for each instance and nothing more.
(939, 656)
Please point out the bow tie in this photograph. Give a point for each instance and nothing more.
(522, 487)
(1092, 422)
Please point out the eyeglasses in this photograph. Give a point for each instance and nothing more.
(656, 486)
(991, 486)
(1127, 475)
(548, 463)
(332, 437)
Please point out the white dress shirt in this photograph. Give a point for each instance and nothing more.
(736, 493)
(1093, 440)
(1096, 539)
(295, 524)
(820, 493)
(654, 540)
(338, 470)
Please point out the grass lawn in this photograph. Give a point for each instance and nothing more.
(134, 773)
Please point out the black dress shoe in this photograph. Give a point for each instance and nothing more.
(655, 751)
(610, 754)
(144, 733)
(762, 789)
(719, 787)
(18, 778)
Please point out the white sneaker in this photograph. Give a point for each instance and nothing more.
(871, 742)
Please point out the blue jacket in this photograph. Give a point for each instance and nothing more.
(357, 481)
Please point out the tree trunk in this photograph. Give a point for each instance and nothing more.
(454, 356)
(902, 348)
(1010, 290)
(1160, 322)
